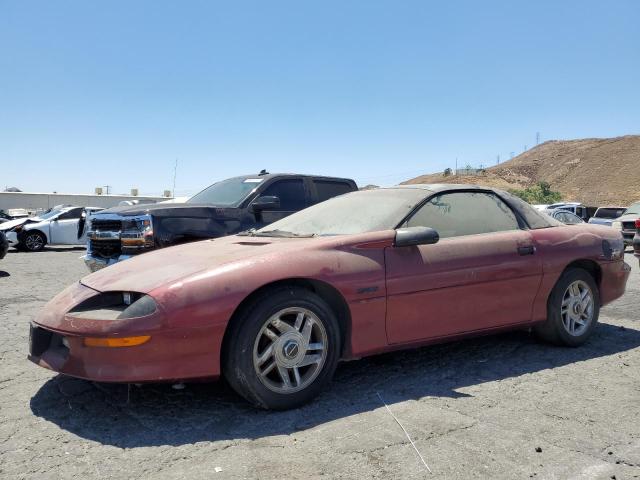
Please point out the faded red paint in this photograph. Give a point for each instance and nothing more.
(397, 297)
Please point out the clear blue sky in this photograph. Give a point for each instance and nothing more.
(111, 93)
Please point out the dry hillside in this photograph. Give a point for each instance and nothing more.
(595, 171)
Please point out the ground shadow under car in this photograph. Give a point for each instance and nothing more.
(151, 415)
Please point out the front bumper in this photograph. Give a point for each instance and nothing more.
(12, 238)
(628, 237)
(94, 263)
(168, 356)
(614, 280)
(56, 342)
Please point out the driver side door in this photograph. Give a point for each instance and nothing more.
(484, 272)
(64, 229)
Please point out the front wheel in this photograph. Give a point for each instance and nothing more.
(572, 310)
(282, 350)
(34, 241)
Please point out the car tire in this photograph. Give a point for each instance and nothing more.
(573, 309)
(33, 241)
(282, 349)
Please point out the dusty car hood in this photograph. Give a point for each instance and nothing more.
(148, 271)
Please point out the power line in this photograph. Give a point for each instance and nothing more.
(175, 173)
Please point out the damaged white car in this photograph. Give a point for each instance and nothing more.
(64, 225)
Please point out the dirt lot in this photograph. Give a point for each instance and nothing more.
(497, 407)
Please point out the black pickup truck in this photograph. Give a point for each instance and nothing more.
(225, 208)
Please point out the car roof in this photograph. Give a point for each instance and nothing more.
(440, 187)
(301, 175)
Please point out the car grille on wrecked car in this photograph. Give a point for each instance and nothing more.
(106, 247)
(106, 225)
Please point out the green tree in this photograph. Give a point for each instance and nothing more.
(540, 193)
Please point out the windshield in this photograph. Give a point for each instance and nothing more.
(227, 192)
(357, 212)
(635, 208)
(49, 214)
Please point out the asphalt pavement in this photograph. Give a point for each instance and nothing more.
(500, 407)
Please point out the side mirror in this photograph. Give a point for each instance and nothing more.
(266, 203)
(410, 236)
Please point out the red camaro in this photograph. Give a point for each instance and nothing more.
(273, 310)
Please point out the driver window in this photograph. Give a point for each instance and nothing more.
(465, 213)
(71, 214)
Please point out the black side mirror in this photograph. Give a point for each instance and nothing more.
(266, 203)
(409, 236)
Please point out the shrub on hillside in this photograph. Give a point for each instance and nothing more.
(540, 193)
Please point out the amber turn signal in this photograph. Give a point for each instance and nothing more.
(116, 342)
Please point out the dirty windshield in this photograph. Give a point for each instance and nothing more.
(226, 193)
(357, 212)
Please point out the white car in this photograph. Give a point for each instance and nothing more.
(58, 226)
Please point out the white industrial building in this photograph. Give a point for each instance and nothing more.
(44, 201)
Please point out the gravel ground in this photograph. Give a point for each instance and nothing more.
(503, 406)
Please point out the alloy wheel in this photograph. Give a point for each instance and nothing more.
(290, 350)
(34, 242)
(577, 308)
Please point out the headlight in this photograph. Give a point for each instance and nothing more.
(617, 225)
(115, 306)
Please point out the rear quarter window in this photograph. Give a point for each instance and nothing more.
(327, 189)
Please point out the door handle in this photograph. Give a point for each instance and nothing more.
(526, 250)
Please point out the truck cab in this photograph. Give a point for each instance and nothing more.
(224, 208)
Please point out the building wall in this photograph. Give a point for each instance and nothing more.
(43, 201)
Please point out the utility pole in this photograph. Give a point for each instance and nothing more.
(456, 166)
(498, 160)
(525, 148)
(107, 187)
(175, 173)
(537, 138)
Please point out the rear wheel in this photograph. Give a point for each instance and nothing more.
(572, 310)
(282, 350)
(34, 241)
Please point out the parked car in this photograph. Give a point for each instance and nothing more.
(12, 214)
(62, 225)
(606, 215)
(4, 245)
(566, 217)
(273, 310)
(627, 223)
(576, 208)
(224, 208)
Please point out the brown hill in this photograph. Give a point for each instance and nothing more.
(595, 171)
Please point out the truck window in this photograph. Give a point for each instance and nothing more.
(328, 189)
(290, 192)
